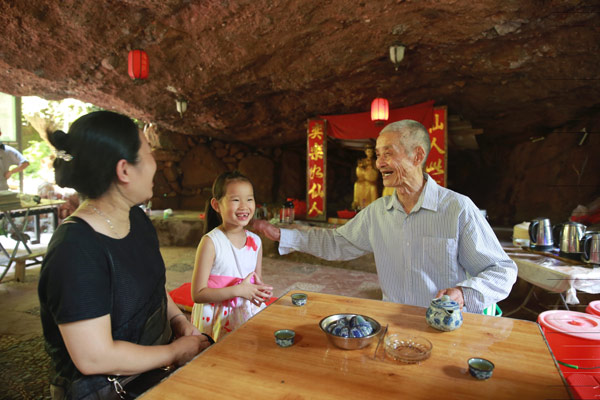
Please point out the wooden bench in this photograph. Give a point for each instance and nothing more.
(21, 263)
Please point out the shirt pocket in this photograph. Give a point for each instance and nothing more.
(439, 259)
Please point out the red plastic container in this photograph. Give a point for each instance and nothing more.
(574, 338)
(593, 308)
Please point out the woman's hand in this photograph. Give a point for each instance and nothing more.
(188, 347)
(181, 326)
(257, 292)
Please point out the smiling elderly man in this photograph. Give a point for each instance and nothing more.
(427, 240)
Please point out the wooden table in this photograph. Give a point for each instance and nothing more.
(247, 364)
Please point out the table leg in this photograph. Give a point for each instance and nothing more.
(524, 303)
(36, 229)
(55, 217)
(18, 232)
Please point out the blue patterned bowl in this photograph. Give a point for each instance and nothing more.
(285, 337)
(299, 299)
(480, 368)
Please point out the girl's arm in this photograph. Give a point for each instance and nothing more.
(93, 350)
(268, 290)
(258, 268)
(201, 293)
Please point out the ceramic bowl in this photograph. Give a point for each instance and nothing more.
(285, 337)
(408, 349)
(299, 299)
(350, 343)
(480, 368)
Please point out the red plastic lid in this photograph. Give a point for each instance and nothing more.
(573, 323)
(593, 308)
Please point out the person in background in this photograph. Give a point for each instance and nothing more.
(427, 240)
(103, 304)
(10, 156)
(227, 288)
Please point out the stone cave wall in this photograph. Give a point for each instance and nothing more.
(545, 176)
(187, 166)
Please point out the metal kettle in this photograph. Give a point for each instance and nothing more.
(567, 237)
(540, 233)
(590, 246)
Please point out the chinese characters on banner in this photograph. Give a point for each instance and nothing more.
(316, 150)
(438, 157)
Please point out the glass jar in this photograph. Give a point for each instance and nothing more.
(287, 212)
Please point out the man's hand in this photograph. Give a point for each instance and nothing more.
(7, 174)
(454, 293)
(264, 227)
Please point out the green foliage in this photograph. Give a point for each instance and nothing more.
(38, 154)
(62, 112)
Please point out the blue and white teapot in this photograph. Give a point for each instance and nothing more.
(444, 314)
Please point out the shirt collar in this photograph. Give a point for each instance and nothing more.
(428, 198)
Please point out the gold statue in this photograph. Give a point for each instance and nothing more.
(365, 187)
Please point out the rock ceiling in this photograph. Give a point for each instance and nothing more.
(254, 71)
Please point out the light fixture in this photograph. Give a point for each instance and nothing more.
(138, 65)
(380, 110)
(181, 106)
(396, 54)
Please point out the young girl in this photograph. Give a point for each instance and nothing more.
(226, 285)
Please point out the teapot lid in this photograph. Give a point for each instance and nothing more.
(445, 302)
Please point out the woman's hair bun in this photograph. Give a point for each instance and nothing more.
(59, 140)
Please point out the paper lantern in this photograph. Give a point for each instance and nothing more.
(138, 64)
(380, 110)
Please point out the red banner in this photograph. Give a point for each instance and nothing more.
(360, 126)
(436, 165)
(316, 150)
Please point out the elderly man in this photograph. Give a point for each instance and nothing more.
(10, 156)
(427, 240)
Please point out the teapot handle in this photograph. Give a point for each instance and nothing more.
(556, 233)
(586, 247)
(533, 231)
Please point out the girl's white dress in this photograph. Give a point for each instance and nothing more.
(230, 267)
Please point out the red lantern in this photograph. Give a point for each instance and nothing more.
(380, 110)
(138, 64)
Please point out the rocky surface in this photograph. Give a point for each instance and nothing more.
(254, 71)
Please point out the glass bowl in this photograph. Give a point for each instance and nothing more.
(408, 349)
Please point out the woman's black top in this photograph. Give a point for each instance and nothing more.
(87, 275)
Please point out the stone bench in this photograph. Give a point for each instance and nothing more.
(21, 262)
(181, 228)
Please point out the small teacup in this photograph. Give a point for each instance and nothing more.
(285, 337)
(480, 368)
(299, 299)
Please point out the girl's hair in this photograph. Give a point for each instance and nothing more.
(87, 156)
(219, 189)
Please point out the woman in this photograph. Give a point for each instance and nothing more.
(104, 308)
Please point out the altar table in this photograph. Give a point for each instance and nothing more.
(248, 364)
